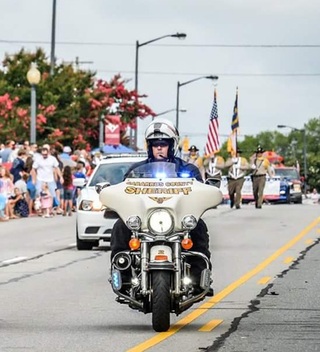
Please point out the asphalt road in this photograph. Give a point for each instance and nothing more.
(55, 298)
(285, 316)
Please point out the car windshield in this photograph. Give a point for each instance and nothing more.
(112, 173)
(291, 174)
(160, 169)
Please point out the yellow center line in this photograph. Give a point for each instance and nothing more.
(309, 241)
(222, 294)
(210, 325)
(264, 280)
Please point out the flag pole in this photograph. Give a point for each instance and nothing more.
(236, 138)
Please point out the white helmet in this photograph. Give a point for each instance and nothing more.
(161, 128)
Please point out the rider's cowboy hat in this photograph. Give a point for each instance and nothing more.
(193, 148)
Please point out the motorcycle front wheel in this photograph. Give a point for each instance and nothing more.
(161, 300)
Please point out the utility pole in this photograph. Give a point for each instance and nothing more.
(77, 63)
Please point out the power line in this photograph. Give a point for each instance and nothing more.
(219, 74)
(185, 45)
(63, 43)
(9, 41)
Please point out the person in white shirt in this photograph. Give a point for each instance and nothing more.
(45, 169)
(314, 196)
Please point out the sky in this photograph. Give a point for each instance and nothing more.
(268, 49)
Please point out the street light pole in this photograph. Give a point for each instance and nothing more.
(101, 132)
(53, 38)
(303, 131)
(133, 133)
(33, 77)
(305, 159)
(33, 114)
(167, 111)
(178, 93)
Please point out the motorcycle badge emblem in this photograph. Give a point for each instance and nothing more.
(160, 200)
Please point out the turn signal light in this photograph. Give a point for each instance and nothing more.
(134, 244)
(161, 257)
(186, 243)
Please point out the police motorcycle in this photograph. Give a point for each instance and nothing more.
(160, 207)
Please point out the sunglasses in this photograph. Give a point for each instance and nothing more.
(161, 144)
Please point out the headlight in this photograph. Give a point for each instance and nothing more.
(160, 222)
(189, 222)
(134, 222)
(297, 187)
(89, 205)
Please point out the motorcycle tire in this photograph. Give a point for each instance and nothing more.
(161, 300)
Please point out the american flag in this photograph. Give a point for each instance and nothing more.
(213, 142)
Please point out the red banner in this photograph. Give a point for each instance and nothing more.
(112, 130)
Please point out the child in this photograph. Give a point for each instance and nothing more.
(46, 201)
(6, 189)
(67, 190)
(3, 202)
(78, 174)
(18, 206)
(37, 206)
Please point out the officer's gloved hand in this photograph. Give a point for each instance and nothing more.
(234, 160)
(253, 166)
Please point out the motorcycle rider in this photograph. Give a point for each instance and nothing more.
(162, 139)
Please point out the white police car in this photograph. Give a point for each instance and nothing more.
(92, 222)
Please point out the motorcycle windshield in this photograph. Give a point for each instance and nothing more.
(160, 185)
(160, 170)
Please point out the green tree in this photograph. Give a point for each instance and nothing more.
(70, 103)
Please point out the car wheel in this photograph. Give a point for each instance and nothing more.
(85, 245)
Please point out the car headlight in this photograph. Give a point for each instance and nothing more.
(189, 222)
(160, 222)
(297, 187)
(90, 205)
(134, 222)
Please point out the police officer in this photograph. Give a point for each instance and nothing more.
(194, 158)
(238, 166)
(162, 139)
(213, 166)
(261, 167)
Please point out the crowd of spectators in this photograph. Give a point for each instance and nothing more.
(38, 180)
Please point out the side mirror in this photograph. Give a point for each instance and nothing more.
(100, 186)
